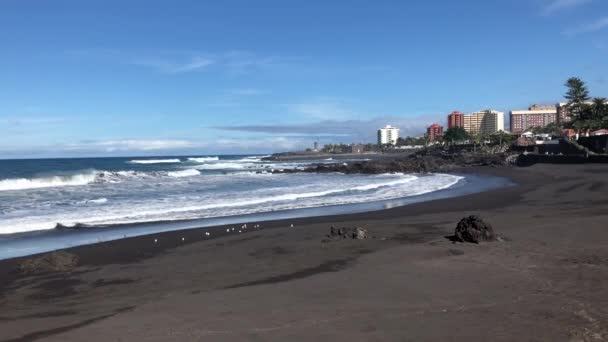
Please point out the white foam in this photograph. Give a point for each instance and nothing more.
(308, 191)
(223, 166)
(184, 173)
(155, 161)
(97, 201)
(203, 159)
(46, 182)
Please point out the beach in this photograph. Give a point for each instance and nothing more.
(547, 281)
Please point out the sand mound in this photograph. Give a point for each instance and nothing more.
(52, 262)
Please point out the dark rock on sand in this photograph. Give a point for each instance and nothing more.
(356, 233)
(52, 262)
(473, 229)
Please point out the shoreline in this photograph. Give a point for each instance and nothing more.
(240, 286)
(90, 235)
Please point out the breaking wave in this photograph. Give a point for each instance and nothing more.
(223, 166)
(184, 173)
(89, 177)
(203, 159)
(46, 182)
(303, 191)
(154, 161)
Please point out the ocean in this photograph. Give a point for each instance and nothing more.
(101, 194)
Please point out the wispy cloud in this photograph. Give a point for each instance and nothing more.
(131, 145)
(29, 121)
(560, 5)
(594, 26)
(196, 63)
(183, 61)
(322, 108)
(345, 130)
(248, 92)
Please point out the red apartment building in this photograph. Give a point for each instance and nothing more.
(434, 131)
(456, 119)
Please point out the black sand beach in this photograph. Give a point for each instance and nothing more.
(547, 282)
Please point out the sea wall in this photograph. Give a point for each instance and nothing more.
(597, 144)
(531, 159)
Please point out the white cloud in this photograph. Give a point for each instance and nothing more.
(560, 5)
(595, 26)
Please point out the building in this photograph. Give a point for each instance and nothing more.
(535, 116)
(455, 119)
(484, 122)
(434, 131)
(357, 148)
(388, 135)
(563, 112)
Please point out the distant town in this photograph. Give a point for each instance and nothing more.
(580, 116)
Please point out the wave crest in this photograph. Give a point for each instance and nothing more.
(47, 182)
(184, 173)
(203, 159)
(155, 161)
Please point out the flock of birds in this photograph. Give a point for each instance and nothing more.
(228, 230)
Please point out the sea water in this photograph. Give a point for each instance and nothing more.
(151, 194)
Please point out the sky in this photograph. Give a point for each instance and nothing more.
(149, 77)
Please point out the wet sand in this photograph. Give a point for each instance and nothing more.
(548, 282)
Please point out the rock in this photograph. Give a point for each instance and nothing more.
(473, 229)
(52, 262)
(356, 233)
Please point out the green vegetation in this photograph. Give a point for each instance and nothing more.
(411, 141)
(551, 128)
(500, 138)
(455, 135)
(336, 148)
(585, 116)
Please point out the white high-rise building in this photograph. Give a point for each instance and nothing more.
(485, 121)
(388, 135)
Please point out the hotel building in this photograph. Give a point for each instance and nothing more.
(388, 135)
(485, 122)
(535, 116)
(434, 131)
(455, 119)
(563, 112)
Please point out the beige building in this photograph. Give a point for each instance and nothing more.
(485, 121)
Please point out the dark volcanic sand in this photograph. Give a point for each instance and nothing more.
(549, 282)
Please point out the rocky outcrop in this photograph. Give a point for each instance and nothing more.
(421, 162)
(356, 233)
(474, 230)
(52, 262)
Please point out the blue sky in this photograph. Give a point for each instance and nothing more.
(145, 77)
